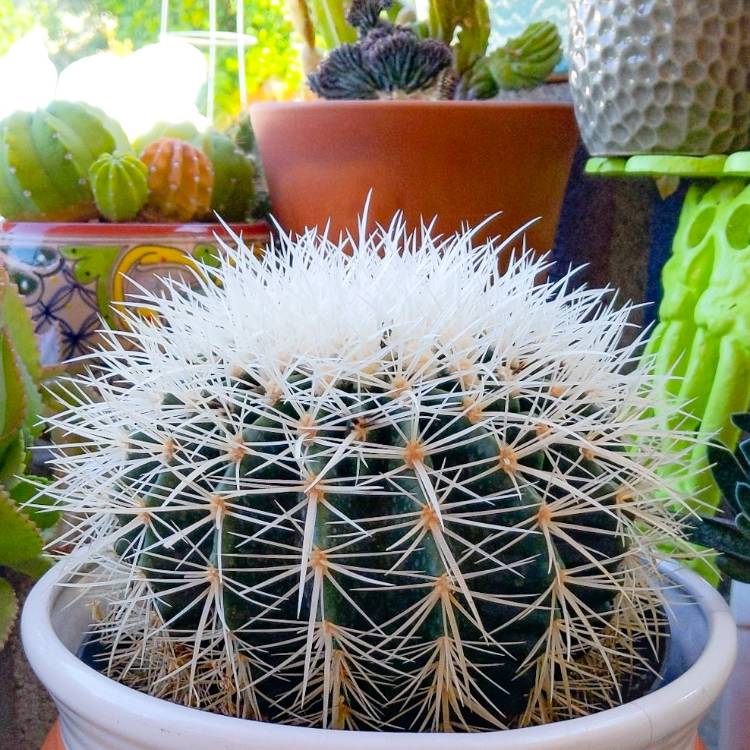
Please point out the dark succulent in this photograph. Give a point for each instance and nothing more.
(730, 537)
(387, 62)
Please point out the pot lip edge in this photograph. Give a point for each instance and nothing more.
(411, 104)
(687, 696)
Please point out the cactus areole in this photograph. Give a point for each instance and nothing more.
(381, 489)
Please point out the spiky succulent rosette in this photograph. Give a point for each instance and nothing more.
(383, 489)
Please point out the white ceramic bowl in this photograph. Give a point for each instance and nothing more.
(97, 713)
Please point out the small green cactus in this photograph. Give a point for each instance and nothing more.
(120, 186)
(730, 537)
(45, 158)
(522, 62)
(374, 484)
(21, 540)
(234, 176)
(387, 62)
(463, 24)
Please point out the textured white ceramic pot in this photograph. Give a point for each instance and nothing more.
(661, 76)
(97, 713)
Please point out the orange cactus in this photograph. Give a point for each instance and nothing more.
(180, 181)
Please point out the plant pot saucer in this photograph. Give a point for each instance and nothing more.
(54, 741)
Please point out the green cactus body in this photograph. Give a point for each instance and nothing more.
(120, 186)
(522, 62)
(234, 174)
(44, 162)
(424, 500)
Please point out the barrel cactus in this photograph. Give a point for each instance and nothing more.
(375, 489)
(120, 186)
(234, 176)
(180, 180)
(45, 158)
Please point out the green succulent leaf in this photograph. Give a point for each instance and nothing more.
(726, 470)
(21, 544)
(742, 522)
(735, 567)
(13, 460)
(722, 535)
(742, 497)
(42, 513)
(17, 319)
(8, 610)
(13, 394)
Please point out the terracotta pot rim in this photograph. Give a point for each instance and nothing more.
(414, 104)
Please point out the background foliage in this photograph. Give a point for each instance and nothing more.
(77, 28)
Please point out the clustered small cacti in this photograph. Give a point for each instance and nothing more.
(234, 176)
(443, 58)
(730, 537)
(180, 180)
(387, 62)
(49, 160)
(387, 488)
(120, 186)
(45, 158)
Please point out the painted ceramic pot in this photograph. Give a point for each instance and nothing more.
(71, 275)
(660, 76)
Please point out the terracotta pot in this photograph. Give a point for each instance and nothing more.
(71, 274)
(457, 161)
(97, 713)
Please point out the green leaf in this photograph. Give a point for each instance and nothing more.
(12, 393)
(742, 497)
(8, 610)
(13, 461)
(42, 514)
(721, 535)
(742, 522)
(21, 544)
(17, 320)
(726, 470)
(734, 566)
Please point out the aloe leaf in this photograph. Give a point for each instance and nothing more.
(8, 610)
(21, 544)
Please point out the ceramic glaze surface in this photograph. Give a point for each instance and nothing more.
(98, 714)
(660, 76)
(72, 275)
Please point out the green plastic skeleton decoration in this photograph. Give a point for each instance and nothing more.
(702, 339)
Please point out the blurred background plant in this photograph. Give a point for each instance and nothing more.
(75, 29)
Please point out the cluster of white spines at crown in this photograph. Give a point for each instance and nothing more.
(308, 322)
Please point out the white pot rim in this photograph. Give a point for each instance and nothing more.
(118, 711)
